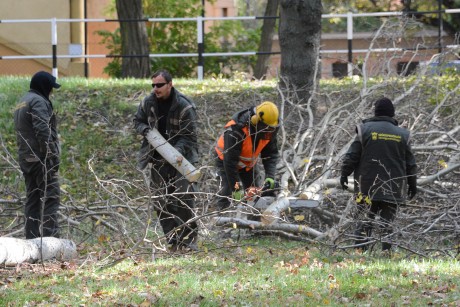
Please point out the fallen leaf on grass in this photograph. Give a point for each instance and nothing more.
(360, 295)
(99, 294)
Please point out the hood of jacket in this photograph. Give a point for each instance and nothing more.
(42, 83)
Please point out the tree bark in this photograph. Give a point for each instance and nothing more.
(134, 40)
(266, 39)
(299, 37)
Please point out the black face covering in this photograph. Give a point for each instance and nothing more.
(43, 83)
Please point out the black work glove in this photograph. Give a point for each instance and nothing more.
(344, 182)
(146, 130)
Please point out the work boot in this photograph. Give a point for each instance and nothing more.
(191, 247)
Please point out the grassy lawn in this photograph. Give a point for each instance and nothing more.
(252, 272)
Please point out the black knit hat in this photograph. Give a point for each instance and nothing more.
(384, 107)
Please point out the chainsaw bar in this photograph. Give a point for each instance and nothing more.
(303, 203)
(262, 203)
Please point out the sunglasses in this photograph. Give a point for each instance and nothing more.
(158, 85)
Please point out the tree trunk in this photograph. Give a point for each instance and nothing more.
(266, 39)
(134, 40)
(299, 37)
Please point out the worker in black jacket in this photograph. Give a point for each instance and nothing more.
(39, 150)
(174, 116)
(384, 171)
(249, 134)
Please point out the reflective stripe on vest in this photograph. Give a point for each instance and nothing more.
(247, 158)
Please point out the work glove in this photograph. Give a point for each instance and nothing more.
(238, 194)
(146, 130)
(344, 182)
(412, 190)
(269, 184)
(268, 187)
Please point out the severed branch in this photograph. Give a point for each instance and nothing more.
(291, 228)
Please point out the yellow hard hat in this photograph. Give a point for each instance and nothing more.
(267, 113)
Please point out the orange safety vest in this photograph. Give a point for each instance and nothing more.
(248, 157)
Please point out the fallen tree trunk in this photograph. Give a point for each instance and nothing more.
(272, 213)
(15, 251)
(291, 228)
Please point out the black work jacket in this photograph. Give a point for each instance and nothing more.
(233, 142)
(381, 159)
(181, 126)
(36, 131)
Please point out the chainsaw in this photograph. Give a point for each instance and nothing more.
(260, 198)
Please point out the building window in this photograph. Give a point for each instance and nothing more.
(339, 70)
(406, 68)
(224, 12)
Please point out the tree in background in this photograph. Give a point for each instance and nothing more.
(450, 22)
(173, 37)
(181, 37)
(299, 36)
(231, 36)
(266, 39)
(134, 41)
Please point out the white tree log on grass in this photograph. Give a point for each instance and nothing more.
(15, 251)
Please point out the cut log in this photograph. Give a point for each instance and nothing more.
(15, 251)
(290, 228)
(171, 155)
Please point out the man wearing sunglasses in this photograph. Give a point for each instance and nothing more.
(249, 134)
(174, 116)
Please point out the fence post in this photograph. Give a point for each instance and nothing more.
(350, 43)
(199, 25)
(54, 43)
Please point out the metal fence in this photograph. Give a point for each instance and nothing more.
(81, 53)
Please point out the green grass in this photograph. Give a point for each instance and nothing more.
(257, 272)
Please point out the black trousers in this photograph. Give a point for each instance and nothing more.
(248, 179)
(43, 195)
(367, 214)
(175, 204)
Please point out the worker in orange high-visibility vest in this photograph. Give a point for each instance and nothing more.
(250, 134)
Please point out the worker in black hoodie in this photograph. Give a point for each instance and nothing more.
(38, 151)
